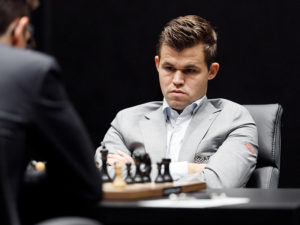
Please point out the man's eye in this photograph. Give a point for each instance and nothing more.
(169, 68)
(190, 71)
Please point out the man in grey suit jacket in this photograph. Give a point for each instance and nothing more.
(38, 121)
(208, 140)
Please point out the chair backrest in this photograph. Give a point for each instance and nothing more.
(268, 120)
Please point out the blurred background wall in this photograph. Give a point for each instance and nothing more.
(106, 50)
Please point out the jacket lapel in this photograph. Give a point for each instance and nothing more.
(153, 127)
(197, 129)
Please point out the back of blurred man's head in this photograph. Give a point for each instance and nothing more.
(14, 18)
(13, 9)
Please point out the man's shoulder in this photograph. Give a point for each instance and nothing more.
(37, 58)
(223, 103)
(24, 57)
(226, 105)
(231, 111)
(141, 110)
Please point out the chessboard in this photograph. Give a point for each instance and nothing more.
(149, 190)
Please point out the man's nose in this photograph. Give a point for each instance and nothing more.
(178, 78)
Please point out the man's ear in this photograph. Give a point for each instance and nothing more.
(19, 33)
(213, 70)
(156, 59)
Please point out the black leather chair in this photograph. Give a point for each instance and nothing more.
(268, 121)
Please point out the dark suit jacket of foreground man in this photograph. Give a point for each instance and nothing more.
(37, 120)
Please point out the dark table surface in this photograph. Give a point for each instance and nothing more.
(265, 206)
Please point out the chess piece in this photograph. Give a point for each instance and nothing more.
(118, 181)
(40, 166)
(138, 174)
(159, 178)
(167, 176)
(104, 173)
(146, 169)
(128, 179)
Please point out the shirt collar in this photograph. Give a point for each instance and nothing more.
(190, 109)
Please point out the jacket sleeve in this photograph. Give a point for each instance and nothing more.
(70, 164)
(235, 160)
(114, 139)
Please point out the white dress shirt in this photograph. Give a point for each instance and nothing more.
(177, 125)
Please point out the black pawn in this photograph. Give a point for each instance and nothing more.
(159, 178)
(105, 176)
(147, 168)
(167, 176)
(138, 173)
(128, 179)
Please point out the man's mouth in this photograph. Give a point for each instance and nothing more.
(178, 91)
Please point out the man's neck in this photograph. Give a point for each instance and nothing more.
(179, 111)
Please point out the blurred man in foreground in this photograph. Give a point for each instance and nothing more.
(37, 119)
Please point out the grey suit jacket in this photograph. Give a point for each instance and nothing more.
(221, 134)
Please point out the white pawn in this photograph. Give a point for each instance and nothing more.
(118, 181)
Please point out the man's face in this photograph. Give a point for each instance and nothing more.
(183, 75)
